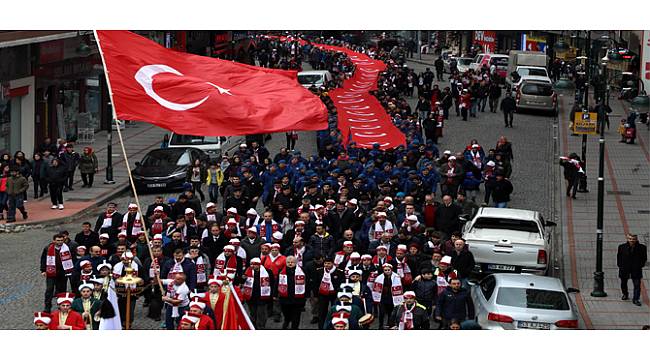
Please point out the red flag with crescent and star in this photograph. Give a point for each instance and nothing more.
(197, 95)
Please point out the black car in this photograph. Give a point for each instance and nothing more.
(165, 169)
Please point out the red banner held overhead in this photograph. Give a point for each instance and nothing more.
(361, 117)
(196, 95)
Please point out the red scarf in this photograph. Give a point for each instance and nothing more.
(157, 227)
(406, 321)
(375, 260)
(404, 271)
(326, 287)
(396, 289)
(265, 284)
(274, 227)
(65, 258)
(298, 283)
(220, 266)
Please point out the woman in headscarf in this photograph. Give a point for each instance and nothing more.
(88, 166)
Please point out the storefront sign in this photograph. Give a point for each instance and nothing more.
(531, 43)
(585, 123)
(486, 39)
(645, 60)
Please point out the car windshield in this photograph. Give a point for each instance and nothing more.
(464, 61)
(532, 72)
(538, 89)
(184, 140)
(309, 79)
(506, 224)
(500, 61)
(532, 298)
(166, 158)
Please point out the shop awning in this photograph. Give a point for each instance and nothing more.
(17, 38)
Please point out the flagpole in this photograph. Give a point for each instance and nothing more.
(126, 161)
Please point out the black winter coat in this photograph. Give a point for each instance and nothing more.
(631, 260)
(455, 305)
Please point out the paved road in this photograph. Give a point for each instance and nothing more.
(21, 286)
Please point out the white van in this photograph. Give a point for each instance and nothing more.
(210, 144)
(316, 78)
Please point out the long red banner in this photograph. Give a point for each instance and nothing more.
(361, 118)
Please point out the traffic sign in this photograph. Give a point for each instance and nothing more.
(585, 123)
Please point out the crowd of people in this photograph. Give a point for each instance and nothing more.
(358, 237)
(52, 170)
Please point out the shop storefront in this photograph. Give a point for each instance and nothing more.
(69, 95)
(16, 100)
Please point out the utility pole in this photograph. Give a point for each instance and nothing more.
(109, 147)
(599, 276)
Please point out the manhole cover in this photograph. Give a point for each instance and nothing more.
(644, 211)
(645, 186)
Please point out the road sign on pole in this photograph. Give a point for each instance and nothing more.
(585, 123)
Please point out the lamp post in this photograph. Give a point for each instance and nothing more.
(109, 148)
(599, 276)
(582, 185)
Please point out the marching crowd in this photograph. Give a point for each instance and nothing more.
(356, 237)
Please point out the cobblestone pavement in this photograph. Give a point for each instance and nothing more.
(22, 287)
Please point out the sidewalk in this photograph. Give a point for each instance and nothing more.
(626, 209)
(139, 138)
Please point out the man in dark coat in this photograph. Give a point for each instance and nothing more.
(326, 287)
(462, 259)
(508, 106)
(189, 269)
(630, 259)
(454, 303)
(447, 216)
(109, 222)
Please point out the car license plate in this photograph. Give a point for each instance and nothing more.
(157, 185)
(533, 325)
(501, 267)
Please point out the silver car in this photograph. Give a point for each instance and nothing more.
(523, 301)
(536, 95)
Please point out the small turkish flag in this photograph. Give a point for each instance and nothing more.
(203, 96)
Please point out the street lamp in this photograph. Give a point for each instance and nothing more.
(109, 148)
(582, 184)
(599, 276)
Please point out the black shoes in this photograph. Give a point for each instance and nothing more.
(636, 302)
(625, 297)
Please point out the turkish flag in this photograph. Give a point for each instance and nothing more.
(196, 95)
(230, 313)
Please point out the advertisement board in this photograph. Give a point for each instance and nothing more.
(486, 39)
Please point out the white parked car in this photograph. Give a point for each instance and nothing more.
(508, 240)
(316, 78)
(527, 73)
(210, 144)
(523, 301)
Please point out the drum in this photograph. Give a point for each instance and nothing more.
(366, 320)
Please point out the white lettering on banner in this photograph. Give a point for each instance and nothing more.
(366, 127)
(359, 113)
(362, 120)
(351, 101)
(370, 135)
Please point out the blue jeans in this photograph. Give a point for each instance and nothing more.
(213, 192)
(501, 204)
(3, 202)
(170, 322)
(13, 202)
(474, 107)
